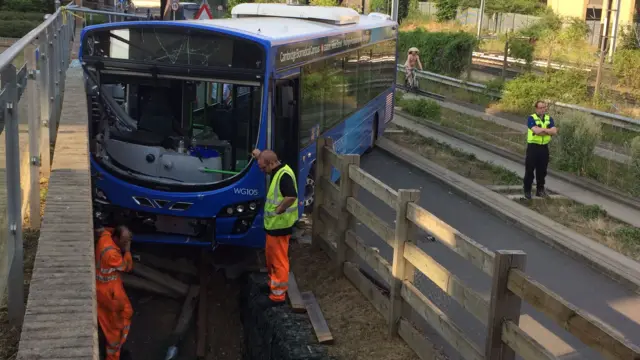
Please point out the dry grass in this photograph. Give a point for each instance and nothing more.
(457, 161)
(359, 330)
(9, 335)
(592, 222)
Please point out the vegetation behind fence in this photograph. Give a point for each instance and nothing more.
(335, 212)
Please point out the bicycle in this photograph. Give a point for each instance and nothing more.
(411, 81)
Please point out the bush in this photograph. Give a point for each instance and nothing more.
(96, 19)
(17, 28)
(566, 86)
(40, 6)
(626, 66)
(635, 157)
(16, 15)
(578, 135)
(446, 10)
(446, 53)
(423, 108)
(381, 6)
(521, 49)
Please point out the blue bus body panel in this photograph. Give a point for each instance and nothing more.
(351, 136)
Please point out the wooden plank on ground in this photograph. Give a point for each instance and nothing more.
(320, 325)
(297, 305)
(181, 265)
(584, 326)
(160, 278)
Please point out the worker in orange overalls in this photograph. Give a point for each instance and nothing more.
(280, 214)
(114, 308)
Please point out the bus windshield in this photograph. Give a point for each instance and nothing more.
(174, 131)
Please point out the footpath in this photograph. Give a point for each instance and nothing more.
(614, 209)
(602, 152)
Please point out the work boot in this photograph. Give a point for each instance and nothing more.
(541, 193)
(527, 194)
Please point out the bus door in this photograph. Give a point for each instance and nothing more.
(286, 142)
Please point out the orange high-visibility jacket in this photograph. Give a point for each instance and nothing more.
(114, 308)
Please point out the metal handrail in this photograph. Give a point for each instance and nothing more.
(47, 54)
(481, 88)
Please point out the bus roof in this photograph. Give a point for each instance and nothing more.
(279, 30)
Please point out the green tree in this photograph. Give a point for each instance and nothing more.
(447, 10)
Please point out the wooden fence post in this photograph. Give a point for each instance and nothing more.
(348, 188)
(318, 196)
(504, 305)
(398, 266)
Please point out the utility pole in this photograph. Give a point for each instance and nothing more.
(394, 10)
(614, 31)
(603, 48)
(480, 18)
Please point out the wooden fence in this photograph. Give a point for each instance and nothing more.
(335, 212)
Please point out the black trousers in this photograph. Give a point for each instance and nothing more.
(537, 160)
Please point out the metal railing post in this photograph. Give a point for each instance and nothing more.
(51, 61)
(45, 105)
(15, 284)
(34, 138)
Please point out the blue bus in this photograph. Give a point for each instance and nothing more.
(176, 107)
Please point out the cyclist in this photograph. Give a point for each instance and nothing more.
(413, 59)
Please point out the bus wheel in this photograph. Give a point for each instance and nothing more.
(309, 191)
(374, 134)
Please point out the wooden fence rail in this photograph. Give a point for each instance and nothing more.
(335, 211)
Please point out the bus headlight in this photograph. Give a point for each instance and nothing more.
(249, 208)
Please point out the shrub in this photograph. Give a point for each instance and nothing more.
(17, 28)
(16, 15)
(381, 6)
(578, 135)
(40, 6)
(521, 49)
(522, 92)
(626, 66)
(446, 53)
(446, 10)
(423, 108)
(96, 19)
(635, 156)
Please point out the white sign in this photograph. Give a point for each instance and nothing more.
(204, 13)
(175, 5)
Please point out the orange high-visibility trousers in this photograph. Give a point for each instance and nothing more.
(277, 257)
(114, 308)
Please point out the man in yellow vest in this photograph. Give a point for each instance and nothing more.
(541, 129)
(280, 214)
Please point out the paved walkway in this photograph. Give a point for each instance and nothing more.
(614, 209)
(521, 127)
(60, 319)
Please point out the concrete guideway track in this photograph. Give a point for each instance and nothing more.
(615, 209)
(571, 279)
(474, 110)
